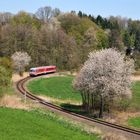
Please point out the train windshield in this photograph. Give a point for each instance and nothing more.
(32, 70)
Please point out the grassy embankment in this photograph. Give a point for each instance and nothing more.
(61, 88)
(55, 87)
(134, 122)
(34, 125)
(135, 103)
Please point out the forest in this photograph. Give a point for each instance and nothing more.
(52, 37)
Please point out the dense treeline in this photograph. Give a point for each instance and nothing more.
(64, 39)
(125, 31)
(5, 73)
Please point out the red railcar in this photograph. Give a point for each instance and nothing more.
(42, 70)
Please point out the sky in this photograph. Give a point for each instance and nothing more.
(105, 8)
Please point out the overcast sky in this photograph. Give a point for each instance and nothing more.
(105, 8)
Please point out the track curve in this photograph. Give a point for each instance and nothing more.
(21, 88)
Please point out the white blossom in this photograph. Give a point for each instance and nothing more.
(106, 73)
(20, 59)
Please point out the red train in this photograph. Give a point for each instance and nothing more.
(42, 70)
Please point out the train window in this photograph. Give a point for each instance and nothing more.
(32, 70)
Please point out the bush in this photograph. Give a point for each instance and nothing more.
(4, 79)
(123, 104)
(7, 64)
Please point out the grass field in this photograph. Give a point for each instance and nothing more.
(135, 103)
(60, 88)
(33, 125)
(55, 87)
(134, 122)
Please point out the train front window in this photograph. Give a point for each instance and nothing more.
(32, 70)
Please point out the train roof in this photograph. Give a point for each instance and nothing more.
(42, 67)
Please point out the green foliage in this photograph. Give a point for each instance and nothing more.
(66, 42)
(23, 18)
(56, 48)
(123, 104)
(102, 40)
(35, 125)
(4, 79)
(136, 96)
(127, 39)
(55, 87)
(134, 28)
(76, 26)
(87, 34)
(134, 122)
(7, 64)
(5, 73)
(69, 22)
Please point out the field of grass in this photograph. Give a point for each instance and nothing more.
(135, 103)
(33, 125)
(61, 88)
(55, 87)
(134, 122)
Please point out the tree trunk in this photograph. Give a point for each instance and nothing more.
(83, 100)
(93, 108)
(88, 102)
(101, 107)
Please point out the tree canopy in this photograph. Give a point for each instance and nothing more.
(5, 73)
(48, 34)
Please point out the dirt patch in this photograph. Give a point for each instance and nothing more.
(17, 77)
(12, 102)
(122, 117)
(110, 136)
(136, 78)
(52, 100)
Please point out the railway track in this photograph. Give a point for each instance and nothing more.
(129, 131)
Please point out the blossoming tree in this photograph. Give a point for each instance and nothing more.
(105, 77)
(20, 59)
